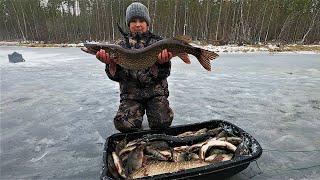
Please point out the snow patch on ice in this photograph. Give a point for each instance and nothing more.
(312, 70)
(39, 158)
(47, 142)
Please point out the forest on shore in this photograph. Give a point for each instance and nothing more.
(217, 22)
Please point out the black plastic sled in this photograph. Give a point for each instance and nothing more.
(219, 170)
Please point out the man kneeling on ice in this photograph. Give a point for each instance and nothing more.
(143, 90)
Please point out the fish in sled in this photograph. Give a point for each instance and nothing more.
(212, 149)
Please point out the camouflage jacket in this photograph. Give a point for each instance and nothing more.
(141, 84)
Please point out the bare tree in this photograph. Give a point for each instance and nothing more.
(270, 18)
(218, 23)
(206, 32)
(311, 26)
(185, 18)
(112, 21)
(264, 14)
(154, 15)
(18, 20)
(175, 18)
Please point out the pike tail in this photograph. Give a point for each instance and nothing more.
(204, 57)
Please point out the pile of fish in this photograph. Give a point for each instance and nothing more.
(155, 154)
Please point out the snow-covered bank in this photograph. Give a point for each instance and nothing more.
(291, 48)
(39, 44)
(274, 48)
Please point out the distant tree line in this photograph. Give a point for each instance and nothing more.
(211, 21)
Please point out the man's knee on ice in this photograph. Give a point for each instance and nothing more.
(124, 125)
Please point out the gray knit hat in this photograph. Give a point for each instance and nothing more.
(135, 10)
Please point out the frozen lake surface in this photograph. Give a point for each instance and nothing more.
(58, 106)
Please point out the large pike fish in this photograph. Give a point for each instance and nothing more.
(143, 58)
(156, 168)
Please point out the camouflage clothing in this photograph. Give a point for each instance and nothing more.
(142, 90)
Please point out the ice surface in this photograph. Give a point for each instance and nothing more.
(57, 107)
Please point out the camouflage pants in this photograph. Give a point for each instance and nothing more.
(130, 114)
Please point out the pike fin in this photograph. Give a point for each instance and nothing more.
(112, 68)
(184, 57)
(185, 39)
(204, 57)
(154, 70)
